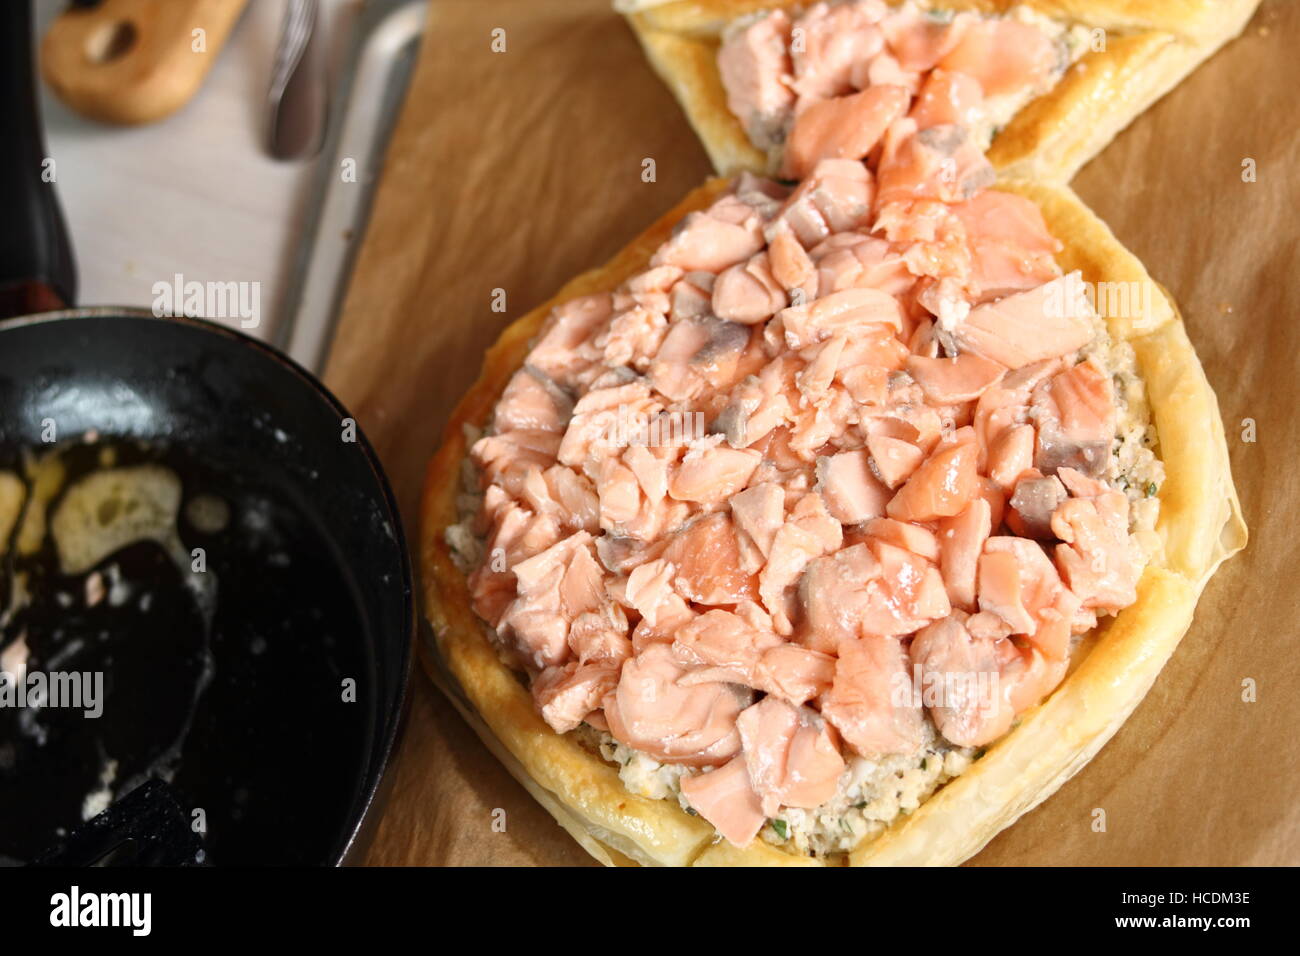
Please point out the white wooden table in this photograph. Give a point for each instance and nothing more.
(194, 194)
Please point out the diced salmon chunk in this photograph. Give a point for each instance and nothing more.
(1004, 55)
(791, 755)
(726, 799)
(846, 127)
(941, 486)
(728, 232)
(706, 555)
(851, 310)
(566, 695)
(713, 474)
(1049, 321)
(1075, 414)
(961, 674)
(754, 63)
(951, 381)
(948, 98)
(834, 198)
(834, 38)
(870, 701)
(1096, 558)
(852, 492)
(653, 711)
(1011, 249)
(961, 541)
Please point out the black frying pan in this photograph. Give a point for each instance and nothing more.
(230, 682)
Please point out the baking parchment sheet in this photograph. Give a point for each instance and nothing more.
(514, 168)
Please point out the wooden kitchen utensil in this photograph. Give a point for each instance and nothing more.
(134, 61)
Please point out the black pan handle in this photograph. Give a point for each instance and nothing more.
(37, 271)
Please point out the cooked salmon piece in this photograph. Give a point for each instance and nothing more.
(948, 99)
(874, 346)
(553, 588)
(793, 673)
(747, 292)
(815, 380)
(532, 401)
(723, 641)
(691, 297)
(855, 261)
(650, 467)
(1075, 414)
(961, 542)
(649, 589)
(1004, 55)
(910, 537)
(721, 646)
(809, 532)
(597, 416)
(951, 381)
(506, 458)
(563, 493)
(696, 353)
(1028, 675)
(1032, 505)
(833, 595)
(1097, 558)
(652, 711)
(567, 694)
(942, 485)
(871, 702)
(726, 799)
(941, 163)
(893, 460)
(851, 491)
(960, 677)
(1047, 322)
(1080, 485)
(919, 40)
(758, 513)
(1034, 587)
(618, 493)
(833, 39)
(847, 311)
(600, 635)
(1011, 454)
(635, 335)
(564, 349)
(706, 556)
(908, 594)
(728, 232)
(791, 755)
(791, 266)
(1002, 591)
(846, 127)
(754, 63)
(835, 198)
(649, 288)
(712, 475)
(1011, 249)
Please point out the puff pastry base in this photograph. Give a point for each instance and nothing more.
(1150, 46)
(1200, 526)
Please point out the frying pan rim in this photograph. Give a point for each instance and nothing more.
(392, 715)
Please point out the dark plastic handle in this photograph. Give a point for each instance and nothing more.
(37, 271)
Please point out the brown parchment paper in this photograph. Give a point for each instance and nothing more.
(515, 170)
